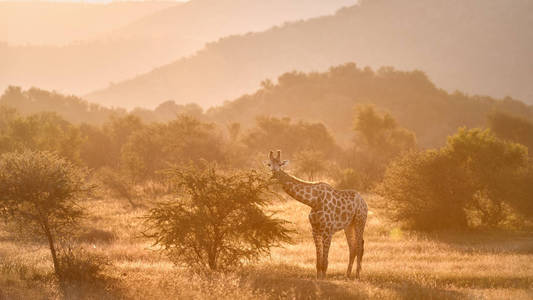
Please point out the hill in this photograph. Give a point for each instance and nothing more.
(154, 40)
(330, 97)
(475, 46)
(208, 20)
(71, 108)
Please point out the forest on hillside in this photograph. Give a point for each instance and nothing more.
(461, 45)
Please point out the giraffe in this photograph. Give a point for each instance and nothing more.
(331, 211)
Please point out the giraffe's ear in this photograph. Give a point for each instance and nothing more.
(284, 163)
(279, 155)
(271, 155)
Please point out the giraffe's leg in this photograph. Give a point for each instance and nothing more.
(350, 239)
(360, 251)
(360, 243)
(319, 253)
(326, 240)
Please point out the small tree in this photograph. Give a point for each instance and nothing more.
(38, 193)
(153, 148)
(44, 131)
(347, 178)
(379, 139)
(310, 163)
(217, 220)
(292, 137)
(382, 134)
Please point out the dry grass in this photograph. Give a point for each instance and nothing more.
(397, 265)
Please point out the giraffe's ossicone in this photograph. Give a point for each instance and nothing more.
(331, 211)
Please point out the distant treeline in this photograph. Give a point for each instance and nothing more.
(328, 97)
(77, 110)
(358, 118)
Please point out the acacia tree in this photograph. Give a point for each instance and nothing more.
(217, 220)
(39, 193)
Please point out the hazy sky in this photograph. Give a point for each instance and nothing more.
(87, 1)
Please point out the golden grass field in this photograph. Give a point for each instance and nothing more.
(396, 265)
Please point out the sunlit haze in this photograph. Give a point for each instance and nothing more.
(266, 149)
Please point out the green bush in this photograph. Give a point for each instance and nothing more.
(292, 137)
(179, 141)
(423, 191)
(473, 181)
(495, 170)
(512, 128)
(44, 131)
(523, 201)
(83, 275)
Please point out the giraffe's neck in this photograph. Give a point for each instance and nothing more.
(298, 189)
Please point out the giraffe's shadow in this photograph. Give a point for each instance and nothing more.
(490, 242)
(286, 281)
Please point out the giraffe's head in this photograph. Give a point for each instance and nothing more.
(275, 163)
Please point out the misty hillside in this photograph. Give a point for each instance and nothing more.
(149, 42)
(60, 23)
(207, 20)
(476, 46)
(328, 98)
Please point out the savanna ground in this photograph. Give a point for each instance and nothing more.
(396, 265)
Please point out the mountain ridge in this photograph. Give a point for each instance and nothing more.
(89, 65)
(447, 39)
